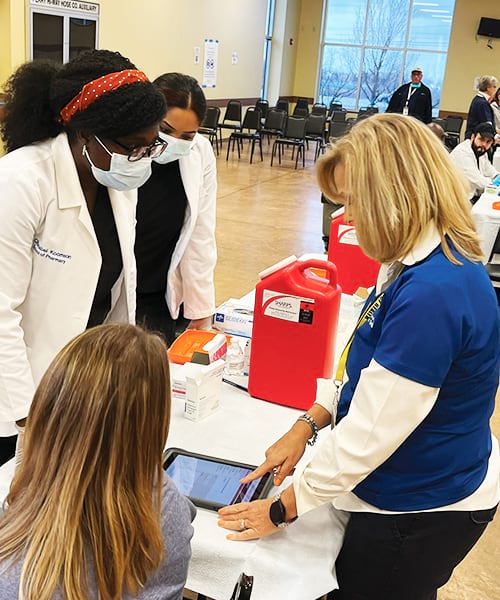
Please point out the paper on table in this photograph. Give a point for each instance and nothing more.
(291, 563)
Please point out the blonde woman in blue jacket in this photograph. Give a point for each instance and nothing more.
(175, 243)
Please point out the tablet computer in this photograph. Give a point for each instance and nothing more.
(211, 482)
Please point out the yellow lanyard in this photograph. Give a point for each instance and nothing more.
(339, 373)
(393, 273)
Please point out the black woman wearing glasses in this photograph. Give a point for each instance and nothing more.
(175, 243)
(80, 139)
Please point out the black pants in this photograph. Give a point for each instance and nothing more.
(152, 313)
(7, 448)
(407, 556)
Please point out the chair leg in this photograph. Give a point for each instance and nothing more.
(260, 147)
(273, 152)
(228, 147)
(251, 150)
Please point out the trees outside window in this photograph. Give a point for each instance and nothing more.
(370, 46)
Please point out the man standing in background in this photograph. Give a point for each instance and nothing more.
(413, 98)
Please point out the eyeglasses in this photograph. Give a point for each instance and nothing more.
(137, 152)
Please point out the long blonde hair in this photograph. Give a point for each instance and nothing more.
(398, 180)
(87, 497)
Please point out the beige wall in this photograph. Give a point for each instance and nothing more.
(468, 55)
(171, 29)
(160, 35)
(306, 66)
(13, 32)
(283, 56)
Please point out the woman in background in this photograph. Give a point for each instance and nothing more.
(480, 109)
(90, 512)
(80, 138)
(175, 241)
(412, 458)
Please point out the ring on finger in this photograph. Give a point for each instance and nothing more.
(275, 471)
(242, 525)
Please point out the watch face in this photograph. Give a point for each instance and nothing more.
(277, 513)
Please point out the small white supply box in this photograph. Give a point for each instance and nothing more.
(200, 388)
(235, 317)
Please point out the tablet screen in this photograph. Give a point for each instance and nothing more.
(212, 482)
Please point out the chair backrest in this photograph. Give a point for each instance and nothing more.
(339, 115)
(295, 128)
(275, 120)
(303, 103)
(300, 111)
(211, 119)
(338, 129)
(283, 104)
(252, 120)
(334, 106)
(318, 109)
(315, 125)
(233, 111)
(263, 106)
(453, 124)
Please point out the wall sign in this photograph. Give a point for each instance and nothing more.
(85, 7)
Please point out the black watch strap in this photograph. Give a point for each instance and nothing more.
(277, 512)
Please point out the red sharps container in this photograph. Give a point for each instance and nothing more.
(354, 268)
(296, 312)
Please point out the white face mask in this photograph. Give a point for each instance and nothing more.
(123, 174)
(176, 148)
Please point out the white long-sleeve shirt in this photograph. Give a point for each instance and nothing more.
(379, 420)
(479, 174)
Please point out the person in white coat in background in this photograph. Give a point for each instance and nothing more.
(79, 138)
(175, 236)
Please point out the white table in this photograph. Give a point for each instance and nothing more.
(297, 563)
(487, 221)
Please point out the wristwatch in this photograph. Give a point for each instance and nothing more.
(277, 512)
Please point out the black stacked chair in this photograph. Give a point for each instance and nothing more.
(295, 136)
(263, 106)
(250, 130)
(232, 118)
(339, 116)
(333, 107)
(366, 111)
(318, 108)
(315, 132)
(210, 124)
(453, 130)
(301, 108)
(274, 124)
(283, 104)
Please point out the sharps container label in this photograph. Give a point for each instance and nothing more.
(347, 235)
(288, 307)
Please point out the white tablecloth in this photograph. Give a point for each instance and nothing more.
(487, 221)
(296, 563)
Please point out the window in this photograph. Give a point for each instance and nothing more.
(267, 47)
(370, 46)
(61, 29)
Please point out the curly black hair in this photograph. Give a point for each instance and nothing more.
(182, 91)
(37, 91)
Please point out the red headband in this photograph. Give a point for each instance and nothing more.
(96, 88)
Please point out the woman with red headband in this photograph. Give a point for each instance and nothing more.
(80, 139)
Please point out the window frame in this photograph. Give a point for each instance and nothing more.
(66, 14)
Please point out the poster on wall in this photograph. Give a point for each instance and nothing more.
(210, 63)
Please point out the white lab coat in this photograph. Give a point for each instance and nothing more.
(190, 276)
(478, 176)
(49, 266)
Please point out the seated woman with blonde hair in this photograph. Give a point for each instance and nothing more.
(91, 513)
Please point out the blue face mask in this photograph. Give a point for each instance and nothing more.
(123, 175)
(176, 148)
